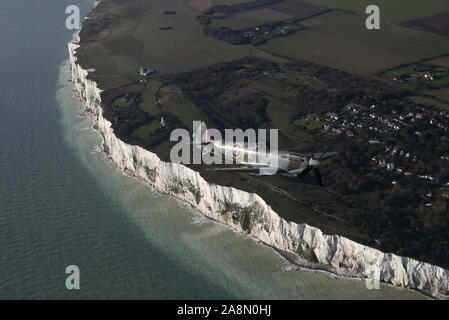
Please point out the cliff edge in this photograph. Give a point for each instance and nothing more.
(248, 213)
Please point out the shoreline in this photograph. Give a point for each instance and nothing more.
(304, 246)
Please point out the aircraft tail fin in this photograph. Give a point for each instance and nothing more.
(201, 135)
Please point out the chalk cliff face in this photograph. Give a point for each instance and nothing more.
(248, 213)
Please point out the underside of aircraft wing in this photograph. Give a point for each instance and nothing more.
(259, 171)
(325, 155)
(301, 171)
(240, 169)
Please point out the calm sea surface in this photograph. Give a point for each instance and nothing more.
(62, 202)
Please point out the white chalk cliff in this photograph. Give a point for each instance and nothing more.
(248, 213)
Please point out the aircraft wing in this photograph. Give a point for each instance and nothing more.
(240, 169)
(257, 169)
(318, 155)
(301, 171)
(327, 155)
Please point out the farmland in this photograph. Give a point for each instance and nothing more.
(184, 47)
(201, 5)
(431, 102)
(228, 2)
(340, 40)
(145, 34)
(115, 54)
(173, 99)
(442, 93)
(428, 80)
(149, 103)
(251, 18)
(441, 62)
(291, 10)
(394, 11)
(419, 76)
(438, 24)
(146, 130)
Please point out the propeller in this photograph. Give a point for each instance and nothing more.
(306, 171)
(318, 176)
(310, 149)
(315, 164)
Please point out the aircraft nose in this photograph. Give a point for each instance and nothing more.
(315, 163)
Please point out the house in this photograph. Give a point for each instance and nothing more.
(312, 117)
(333, 115)
(126, 98)
(402, 78)
(146, 71)
(427, 177)
(428, 76)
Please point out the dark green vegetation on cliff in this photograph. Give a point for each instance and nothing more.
(388, 186)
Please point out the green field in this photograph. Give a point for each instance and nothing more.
(120, 103)
(442, 94)
(228, 2)
(145, 131)
(340, 40)
(183, 48)
(177, 104)
(391, 10)
(432, 92)
(430, 101)
(309, 125)
(441, 62)
(134, 39)
(238, 23)
(149, 102)
(184, 111)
